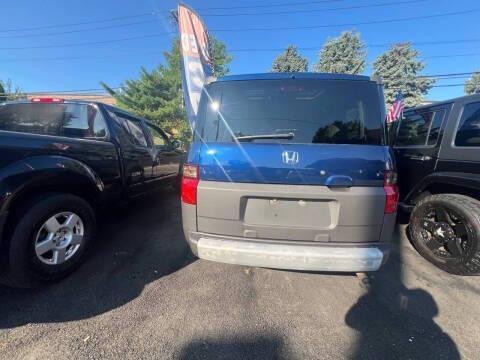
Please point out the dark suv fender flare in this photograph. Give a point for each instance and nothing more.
(47, 172)
(466, 180)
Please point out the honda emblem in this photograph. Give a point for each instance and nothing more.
(290, 157)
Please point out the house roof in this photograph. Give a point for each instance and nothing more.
(103, 98)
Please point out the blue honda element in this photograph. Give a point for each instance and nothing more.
(291, 171)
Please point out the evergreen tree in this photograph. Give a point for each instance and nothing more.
(472, 85)
(290, 61)
(400, 69)
(157, 95)
(221, 58)
(345, 54)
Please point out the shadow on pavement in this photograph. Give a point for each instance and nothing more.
(264, 347)
(135, 246)
(396, 322)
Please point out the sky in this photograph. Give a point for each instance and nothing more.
(41, 48)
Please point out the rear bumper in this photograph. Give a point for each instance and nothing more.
(288, 255)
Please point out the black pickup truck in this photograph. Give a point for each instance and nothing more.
(60, 161)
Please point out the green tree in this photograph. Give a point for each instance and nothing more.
(345, 54)
(472, 85)
(3, 94)
(10, 92)
(221, 58)
(157, 94)
(400, 70)
(290, 61)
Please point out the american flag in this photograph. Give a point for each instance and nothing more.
(396, 110)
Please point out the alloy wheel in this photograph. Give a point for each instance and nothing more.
(59, 238)
(445, 233)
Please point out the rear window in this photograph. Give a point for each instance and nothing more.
(70, 120)
(314, 111)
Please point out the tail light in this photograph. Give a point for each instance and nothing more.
(391, 192)
(47, 100)
(190, 180)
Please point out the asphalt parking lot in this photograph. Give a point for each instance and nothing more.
(142, 295)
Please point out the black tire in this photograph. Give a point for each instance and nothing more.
(467, 209)
(24, 269)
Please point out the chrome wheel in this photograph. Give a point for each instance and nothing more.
(59, 238)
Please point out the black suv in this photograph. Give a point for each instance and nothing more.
(437, 148)
(60, 161)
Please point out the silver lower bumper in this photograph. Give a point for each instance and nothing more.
(288, 256)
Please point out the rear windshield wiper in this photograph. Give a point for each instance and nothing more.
(265, 136)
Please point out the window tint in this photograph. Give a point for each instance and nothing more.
(71, 120)
(435, 128)
(158, 138)
(414, 128)
(134, 127)
(315, 111)
(469, 127)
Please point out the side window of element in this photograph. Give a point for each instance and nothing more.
(468, 133)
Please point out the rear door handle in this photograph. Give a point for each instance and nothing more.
(339, 181)
(420, 157)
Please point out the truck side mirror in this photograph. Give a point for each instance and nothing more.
(176, 144)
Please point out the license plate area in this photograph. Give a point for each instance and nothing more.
(299, 213)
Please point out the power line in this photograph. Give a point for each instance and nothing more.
(449, 85)
(9, 36)
(90, 90)
(433, 86)
(317, 10)
(453, 77)
(86, 43)
(384, 45)
(234, 14)
(449, 75)
(60, 58)
(433, 42)
(43, 27)
(79, 30)
(269, 29)
(373, 22)
(294, 3)
(448, 56)
(123, 54)
(312, 48)
(118, 18)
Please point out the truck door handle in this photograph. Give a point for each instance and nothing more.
(420, 157)
(339, 181)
